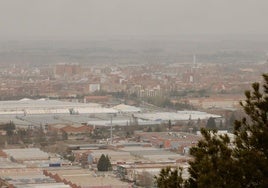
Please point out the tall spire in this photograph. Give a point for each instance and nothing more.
(194, 60)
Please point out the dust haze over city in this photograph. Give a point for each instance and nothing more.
(111, 93)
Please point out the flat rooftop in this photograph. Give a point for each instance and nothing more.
(176, 116)
(47, 106)
(115, 156)
(8, 164)
(26, 154)
(83, 177)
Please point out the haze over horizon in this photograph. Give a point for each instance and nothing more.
(90, 19)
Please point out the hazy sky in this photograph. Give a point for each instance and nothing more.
(86, 18)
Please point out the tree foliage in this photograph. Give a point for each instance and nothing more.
(211, 124)
(169, 178)
(243, 162)
(213, 165)
(252, 137)
(104, 163)
(9, 128)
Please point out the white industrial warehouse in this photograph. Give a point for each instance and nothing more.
(176, 116)
(28, 112)
(47, 106)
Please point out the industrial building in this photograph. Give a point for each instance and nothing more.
(26, 113)
(47, 106)
(176, 116)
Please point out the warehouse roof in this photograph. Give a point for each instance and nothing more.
(27, 154)
(46, 106)
(176, 116)
(126, 108)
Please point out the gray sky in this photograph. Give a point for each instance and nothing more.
(87, 18)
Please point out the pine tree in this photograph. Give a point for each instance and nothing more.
(169, 178)
(218, 162)
(108, 163)
(104, 163)
(252, 137)
(102, 166)
(213, 164)
(245, 164)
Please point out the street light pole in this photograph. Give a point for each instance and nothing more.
(112, 129)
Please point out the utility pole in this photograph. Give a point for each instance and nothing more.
(111, 129)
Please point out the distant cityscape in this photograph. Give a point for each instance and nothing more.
(140, 108)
